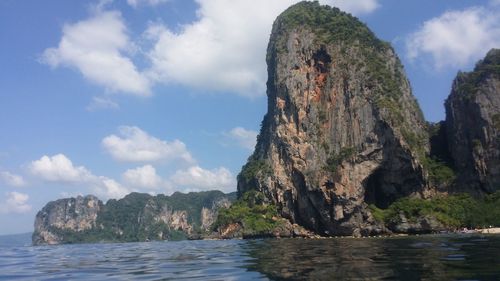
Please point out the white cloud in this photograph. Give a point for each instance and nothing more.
(97, 47)
(225, 49)
(243, 137)
(456, 38)
(12, 179)
(59, 168)
(357, 7)
(196, 178)
(135, 3)
(107, 188)
(135, 145)
(142, 177)
(16, 203)
(99, 103)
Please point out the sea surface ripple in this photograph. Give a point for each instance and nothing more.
(452, 257)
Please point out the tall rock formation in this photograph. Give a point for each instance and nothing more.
(342, 129)
(473, 126)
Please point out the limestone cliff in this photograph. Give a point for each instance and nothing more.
(136, 217)
(342, 130)
(209, 214)
(473, 126)
(73, 214)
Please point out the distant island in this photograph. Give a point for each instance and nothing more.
(344, 150)
(136, 217)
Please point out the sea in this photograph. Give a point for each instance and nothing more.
(439, 257)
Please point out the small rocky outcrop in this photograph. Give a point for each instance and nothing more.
(136, 217)
(473, 126)
(342, 130)
(73, 214)
(422, 225)
(284, 229)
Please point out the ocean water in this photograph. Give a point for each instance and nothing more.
(455, 257)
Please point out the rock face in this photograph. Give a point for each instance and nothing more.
(209, 215)
(155, 214)
(342, 129)
(73, 214)
(136, 217)
(473, 126)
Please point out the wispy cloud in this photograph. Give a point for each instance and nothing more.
(136, 3)
(100, 103)
(12, 179)
(15, 203)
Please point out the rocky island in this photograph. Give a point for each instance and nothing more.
(344, 149)
(136, 217)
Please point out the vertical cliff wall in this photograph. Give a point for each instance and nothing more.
(74, 214)
(342, 129)
(473, 126)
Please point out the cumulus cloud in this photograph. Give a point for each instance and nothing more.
(15, 203)
(97, 47)
(196, 178)
(135, 3)
(12, 179)
(243, 137)
(59, 168)
(456, 38)
(224, 50)
(107, 188)
(135, 145)
(142, 177)
(99, 103)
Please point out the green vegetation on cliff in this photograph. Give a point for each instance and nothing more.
(439, 171)
(122, 216)
(335, 159)
(453, 211)
(252, 169)
(252, 213)
(470, 81)
(331, 24)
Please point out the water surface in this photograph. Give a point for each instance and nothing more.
(406, 258)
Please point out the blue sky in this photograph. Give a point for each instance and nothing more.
(109, 97)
